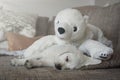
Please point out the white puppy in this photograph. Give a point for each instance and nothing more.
(58, 56)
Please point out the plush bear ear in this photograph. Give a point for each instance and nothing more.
(92, 61)
(86, 18)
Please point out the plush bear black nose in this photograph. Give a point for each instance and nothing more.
(61, 30)
(58, 66)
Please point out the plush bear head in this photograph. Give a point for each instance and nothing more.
(70, 25)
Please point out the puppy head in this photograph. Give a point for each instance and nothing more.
(73, 61)
(66, 61)
(70, 24)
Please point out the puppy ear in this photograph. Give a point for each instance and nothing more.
(92, 61)
(86, 18)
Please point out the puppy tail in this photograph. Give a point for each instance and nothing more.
(92, 61)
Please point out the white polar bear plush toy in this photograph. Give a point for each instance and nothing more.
(72, 28)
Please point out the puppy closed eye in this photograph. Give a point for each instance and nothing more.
(74, 28)
(67, 59)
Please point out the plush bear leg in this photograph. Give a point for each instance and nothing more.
(96, 49)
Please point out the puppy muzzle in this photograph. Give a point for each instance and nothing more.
(58, 66)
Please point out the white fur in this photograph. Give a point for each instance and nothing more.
(75, 30)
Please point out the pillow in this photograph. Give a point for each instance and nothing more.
(42, 26)
(107, 19)
(19, 42)
(18, 22)
(51, 30)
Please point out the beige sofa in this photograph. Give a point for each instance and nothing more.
(107, 18)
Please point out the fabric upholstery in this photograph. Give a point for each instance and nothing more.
(106, 18)
(8, 72)
(51, 27)
(42, 26)
(118, 47)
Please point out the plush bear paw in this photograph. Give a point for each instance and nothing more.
(103, 54)
(96, 50)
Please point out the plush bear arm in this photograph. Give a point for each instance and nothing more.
(96, 49)
(99, 36)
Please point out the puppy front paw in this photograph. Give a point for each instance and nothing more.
(28, 64)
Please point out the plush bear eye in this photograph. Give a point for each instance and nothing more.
(74, 28)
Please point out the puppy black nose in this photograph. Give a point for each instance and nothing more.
(61, 30)
(58, 66)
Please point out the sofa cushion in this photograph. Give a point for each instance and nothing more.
(8, 72)
(42, 26)
(51, 30)
(19, 42)
(18, 22)
(107, 19)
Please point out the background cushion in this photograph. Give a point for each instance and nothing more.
(42, 26)
(18, 22)
(51, 30)
(19, 42)
(107, 19)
